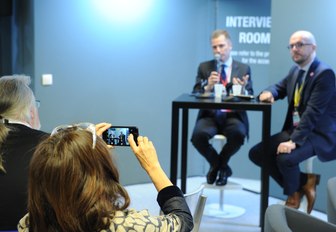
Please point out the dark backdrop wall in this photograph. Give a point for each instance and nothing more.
(6, 12)
(17, 38)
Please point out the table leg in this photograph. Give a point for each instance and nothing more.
(266, 131)
(184, 150)
(174, 144)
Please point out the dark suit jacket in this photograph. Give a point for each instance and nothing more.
(238, 70)
(317, 108)
(17, 151)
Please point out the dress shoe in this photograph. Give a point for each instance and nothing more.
(224, 174)
(309, 189)
(212, 174)
(294, 200)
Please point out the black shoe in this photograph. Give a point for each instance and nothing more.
(212, 175)
(228, 171)
(224, 174)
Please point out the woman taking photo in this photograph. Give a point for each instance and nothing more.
(74, 186)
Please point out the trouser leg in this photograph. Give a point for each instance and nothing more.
(288, 165)
(235, 132)
(257, 155)
(204, 130)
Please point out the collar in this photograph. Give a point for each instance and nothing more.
(13, 121)
(228, 63)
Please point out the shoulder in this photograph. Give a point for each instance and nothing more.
(321, 69)
(206, 64)
(25, 136)
(32, 133)
(321, 66)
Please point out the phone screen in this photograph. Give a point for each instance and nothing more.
(117, 135)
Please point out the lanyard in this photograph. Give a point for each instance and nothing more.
(298, 88)
(297, 94)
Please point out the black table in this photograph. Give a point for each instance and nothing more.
(188, 101)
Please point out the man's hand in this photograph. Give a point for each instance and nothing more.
(266, 96)
(238, 81)
(212, 80)
(286, 147)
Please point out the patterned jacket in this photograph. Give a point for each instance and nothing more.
(176, 218)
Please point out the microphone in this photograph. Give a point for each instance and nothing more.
(217, 58)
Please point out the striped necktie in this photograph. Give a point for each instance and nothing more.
(223, 75)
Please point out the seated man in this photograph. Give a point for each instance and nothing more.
(310, 124)
(233, 124)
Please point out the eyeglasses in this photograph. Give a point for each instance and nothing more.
(81, 126)
(297, 45)
(37, 103)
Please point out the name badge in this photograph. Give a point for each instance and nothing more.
(296, 118)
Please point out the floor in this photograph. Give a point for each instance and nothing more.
(240, 211)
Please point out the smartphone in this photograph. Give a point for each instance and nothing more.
(117, 135)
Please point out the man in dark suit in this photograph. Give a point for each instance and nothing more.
(19, 135)
(232, 124)
(310, 124)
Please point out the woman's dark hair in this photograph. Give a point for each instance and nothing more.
(72, 186)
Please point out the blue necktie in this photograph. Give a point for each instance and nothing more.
(300, 77)
(223, 75)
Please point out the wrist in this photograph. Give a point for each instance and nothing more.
(153, 168)
(159, 178)
(208, 88)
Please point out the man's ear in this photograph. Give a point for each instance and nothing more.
(34, 118)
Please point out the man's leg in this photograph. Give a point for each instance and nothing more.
(295, 182)
(204, 130)
(257, 155)
(288, 165)
(235, 133)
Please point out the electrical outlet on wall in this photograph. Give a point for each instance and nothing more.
(47, 79)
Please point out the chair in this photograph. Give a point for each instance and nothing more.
(331, 200)
(307, 165)
(220, 209)
(280, 218)
(196, 202)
